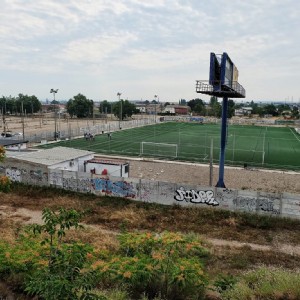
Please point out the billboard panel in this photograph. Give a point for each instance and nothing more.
(223, 77)
(235, 74)
(214, 70)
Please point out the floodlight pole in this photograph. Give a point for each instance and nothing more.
(53, 91)
(120, 117)
(223, 143)
(156, 97)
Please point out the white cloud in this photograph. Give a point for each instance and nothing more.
(94, 50)
(159, 43)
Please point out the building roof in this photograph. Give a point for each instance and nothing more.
(53, 156)
(10, 142)
(107, 161)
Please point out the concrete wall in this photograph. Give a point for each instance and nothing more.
(282, 204)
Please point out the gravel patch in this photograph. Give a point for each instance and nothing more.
(234, 178)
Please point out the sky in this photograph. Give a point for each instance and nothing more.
(142, 48)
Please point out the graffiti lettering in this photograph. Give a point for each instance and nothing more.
(14, 174)
(245, 203)
(253, 204)
(81, 185)
(116, 188)
(206, 197)
(267, 206)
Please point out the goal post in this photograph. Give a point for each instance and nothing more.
(159, 149)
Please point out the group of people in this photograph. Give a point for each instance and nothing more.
(89, 136)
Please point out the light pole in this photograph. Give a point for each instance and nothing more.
(120, 117)
(156, 97)
(53, 91)
(3, 116)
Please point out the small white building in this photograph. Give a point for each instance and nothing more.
(62, 158)
(244, 111)
(169, 109)
(109, 167)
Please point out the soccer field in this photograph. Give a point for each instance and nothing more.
(256, 146)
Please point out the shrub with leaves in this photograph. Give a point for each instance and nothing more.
(167, 265)
(266, 283)
(2, 153)
(64, 275)
(5, 184)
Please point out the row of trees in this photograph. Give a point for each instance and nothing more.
(81, 107)
(214, 108)
(20, 104)
(274, 110)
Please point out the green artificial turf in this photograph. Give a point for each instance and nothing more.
(256, 146)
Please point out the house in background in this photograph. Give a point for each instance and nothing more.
(177, 109)
(244, 111)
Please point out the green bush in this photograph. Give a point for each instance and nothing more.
(5, 184)
(166, 265)
(266, 283)
(146, 265)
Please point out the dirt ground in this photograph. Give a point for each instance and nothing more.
(234, 178)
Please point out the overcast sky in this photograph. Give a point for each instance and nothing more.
(143, 48)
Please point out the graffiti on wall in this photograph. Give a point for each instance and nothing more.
(13, 174)
(114, 188)
(269, 203)
(198, 197)
(55, 178)
(37, 176)
(251, 204)
(245, 203)
(73, 184)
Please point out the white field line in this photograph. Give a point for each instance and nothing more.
(295, 135)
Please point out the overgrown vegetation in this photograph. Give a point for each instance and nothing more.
(156, 254)
(44, 264)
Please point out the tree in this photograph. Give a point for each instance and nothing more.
(31, 104)
(270, 109)
(215, 107)
(128, 109)
(283, 107)
(64, 276)
(230, 108)
(80, 106)
(197, 105)
(105, 107)
(295, 112)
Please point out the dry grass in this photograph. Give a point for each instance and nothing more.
(107, 216)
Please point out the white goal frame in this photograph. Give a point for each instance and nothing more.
(174, 155)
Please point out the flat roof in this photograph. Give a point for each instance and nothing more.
(11, 142)
(107, 161)
(52, 156)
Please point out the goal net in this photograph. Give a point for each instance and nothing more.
(158, 149)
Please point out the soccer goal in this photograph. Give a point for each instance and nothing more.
(159, 149)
